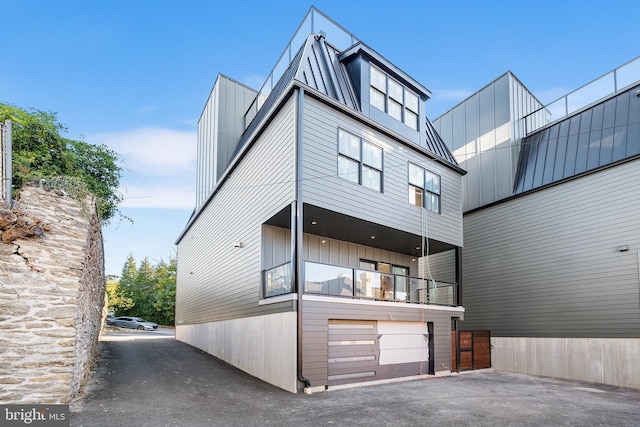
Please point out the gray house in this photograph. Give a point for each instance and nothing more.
(325, 246)
(552, 225)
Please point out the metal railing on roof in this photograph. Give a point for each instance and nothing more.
(314, 22)
(612, 82)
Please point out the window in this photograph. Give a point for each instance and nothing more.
(359, 161)
(389, 96)
(381, 280)
(424, 188)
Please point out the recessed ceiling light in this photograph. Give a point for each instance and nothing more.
(373, 237)
(314, 222)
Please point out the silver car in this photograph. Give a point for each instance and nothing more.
(132, 323)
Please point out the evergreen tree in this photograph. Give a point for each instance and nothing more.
(165, 294)
(146, 291)
(129, 271)
(122, 301)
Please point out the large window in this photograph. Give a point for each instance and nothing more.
(359, 161)
(389, 96)
(424, 188)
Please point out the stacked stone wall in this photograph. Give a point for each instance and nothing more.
(51, 299)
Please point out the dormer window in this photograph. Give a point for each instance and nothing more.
(390, 96)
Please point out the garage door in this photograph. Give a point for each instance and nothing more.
(373, 350)
(353, 351)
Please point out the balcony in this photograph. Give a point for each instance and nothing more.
(355, 283)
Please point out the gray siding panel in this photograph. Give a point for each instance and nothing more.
(323, 187)
(217, 281)
(546, 264)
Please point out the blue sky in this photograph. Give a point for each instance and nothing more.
(135, 74)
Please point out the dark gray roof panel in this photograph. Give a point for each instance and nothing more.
(321, 70)
(277, 90)
(318, 65)
(360, 47)
(436, 145)
(603, 134)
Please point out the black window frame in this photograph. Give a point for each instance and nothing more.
(426, 191)
(362, 164)
(388, 99)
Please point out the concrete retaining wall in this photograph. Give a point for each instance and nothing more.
(611, 361)
(263, 346)
(51, 299)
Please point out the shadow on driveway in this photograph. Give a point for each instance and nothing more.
(150, 379)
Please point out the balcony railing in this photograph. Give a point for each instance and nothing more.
(277, 281)
(314, 22)
(612, 82)
(346, 282)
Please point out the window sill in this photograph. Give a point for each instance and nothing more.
(279, 298)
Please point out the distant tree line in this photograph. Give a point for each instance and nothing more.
(146, 290)
(41, 152)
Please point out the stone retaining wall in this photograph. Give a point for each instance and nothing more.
(51, 300)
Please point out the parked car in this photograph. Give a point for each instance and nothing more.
(132, 323)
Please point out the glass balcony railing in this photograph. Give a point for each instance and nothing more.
(338, 281)
(612, 82)
(277, 281)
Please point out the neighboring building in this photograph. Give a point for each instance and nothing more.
(317, 198)
(552, 225)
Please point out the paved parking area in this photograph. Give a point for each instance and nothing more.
(150, 379)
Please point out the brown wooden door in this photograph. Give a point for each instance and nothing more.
(471, 350)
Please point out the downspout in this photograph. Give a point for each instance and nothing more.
(298, 224)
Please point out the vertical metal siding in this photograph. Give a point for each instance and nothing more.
(484, 133)
(219, 129)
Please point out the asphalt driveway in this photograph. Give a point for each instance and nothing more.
(150, 379)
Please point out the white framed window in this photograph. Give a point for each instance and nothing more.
(424, 188)
(388, 95)
(359, 161)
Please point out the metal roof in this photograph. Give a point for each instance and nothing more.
(319, 66)
(603, 134)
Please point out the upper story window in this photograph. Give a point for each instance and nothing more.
(424, 188)
(389, 96)
(359, 161)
